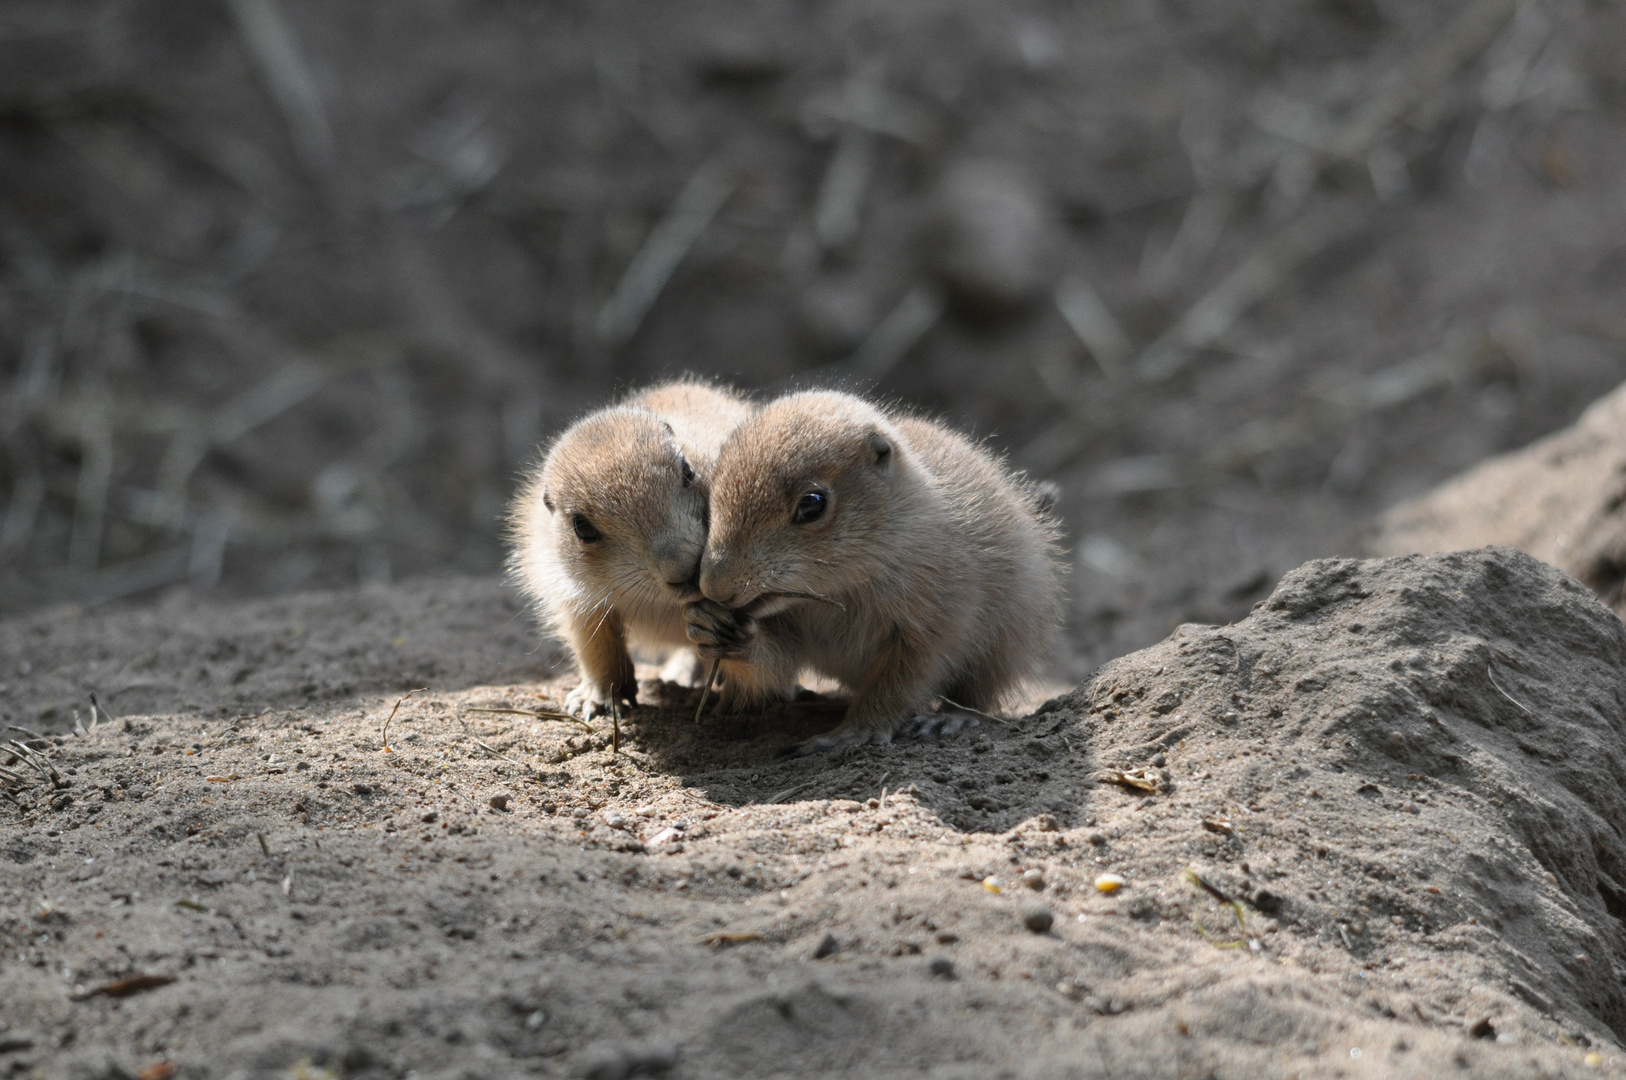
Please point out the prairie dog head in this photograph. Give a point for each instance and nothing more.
(807, 497)
(626, 510)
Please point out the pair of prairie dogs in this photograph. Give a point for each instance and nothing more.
(817, 532)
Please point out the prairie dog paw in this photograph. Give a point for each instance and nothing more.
(718, 632)
(588, 701)
(940, 725)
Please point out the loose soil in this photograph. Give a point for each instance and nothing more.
(1381, 838)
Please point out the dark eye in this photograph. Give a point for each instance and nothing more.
(809, 507)
(688, 474)
(584, 529)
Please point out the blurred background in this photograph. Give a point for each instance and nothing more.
(290, 290)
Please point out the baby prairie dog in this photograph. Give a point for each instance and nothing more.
(607, 532)
(887, 552)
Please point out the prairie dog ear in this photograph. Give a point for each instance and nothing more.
(547, 500)
(880, 449)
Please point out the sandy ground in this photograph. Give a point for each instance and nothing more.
(1422, 875)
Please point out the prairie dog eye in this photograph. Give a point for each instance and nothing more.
(688, 474)
(584, 529)
(810, 507)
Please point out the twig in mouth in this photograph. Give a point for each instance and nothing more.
(802, 596)
(385, 735)
(705, 690)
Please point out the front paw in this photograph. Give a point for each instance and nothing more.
(718, 633)
(588, 701)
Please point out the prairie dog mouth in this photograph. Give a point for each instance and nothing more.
(772, 603)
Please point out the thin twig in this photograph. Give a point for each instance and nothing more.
(494, 752)
(1504, 693)
(271, 43)
(538, 714)
(385, 735)
(705, 690)
(27, 731)
(669, 242)
(976, 712)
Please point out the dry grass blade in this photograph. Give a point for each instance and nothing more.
(803, 596)
(893, 337)
(690, 216)
(538, 714)
(384, 736)
(481, 744)
(271, 43)
(976, 712)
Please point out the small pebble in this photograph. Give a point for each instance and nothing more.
(1159, 760)
(1037, 917)
(499, 802)
(362, 789)
(1067, 989)
(873, 804)
(827, 946)
(1109, 883)
(430, 818)
(665, 836)
(946, 937)
(645, 811)
(941, 966)
(1033, 879)
(1047, 823)
(579, 812)
(614, 820)
(992, 884)
(1594, 1059)
(535, 1021)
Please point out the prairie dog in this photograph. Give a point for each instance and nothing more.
(884, 551)
(607, 532)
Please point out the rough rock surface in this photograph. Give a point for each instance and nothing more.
(1407, 774)
(1562, 499)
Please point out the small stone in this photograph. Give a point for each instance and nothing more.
(1033, 879)
(1038, 918)
(579, 812)
(1047, 823)
(1109, 883)
(947, 937)
(645, 811)
(940, 967)
(499, 802)
(827, 946)
(430, 818)
(614, 820)
(1482, 1029)
(1159, 760)
(362, 789)
(1067, 988)
(535, 1021)
(873, 804)
(667, 835)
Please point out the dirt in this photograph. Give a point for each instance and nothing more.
(1405, 774)
(1562, 499)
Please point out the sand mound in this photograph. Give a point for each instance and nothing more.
(1562, 499)
(1407, 773)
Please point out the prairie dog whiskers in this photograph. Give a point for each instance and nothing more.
(608, 530)
(938, 567)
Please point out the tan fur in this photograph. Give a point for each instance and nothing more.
(621, 470)
(938, 573)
